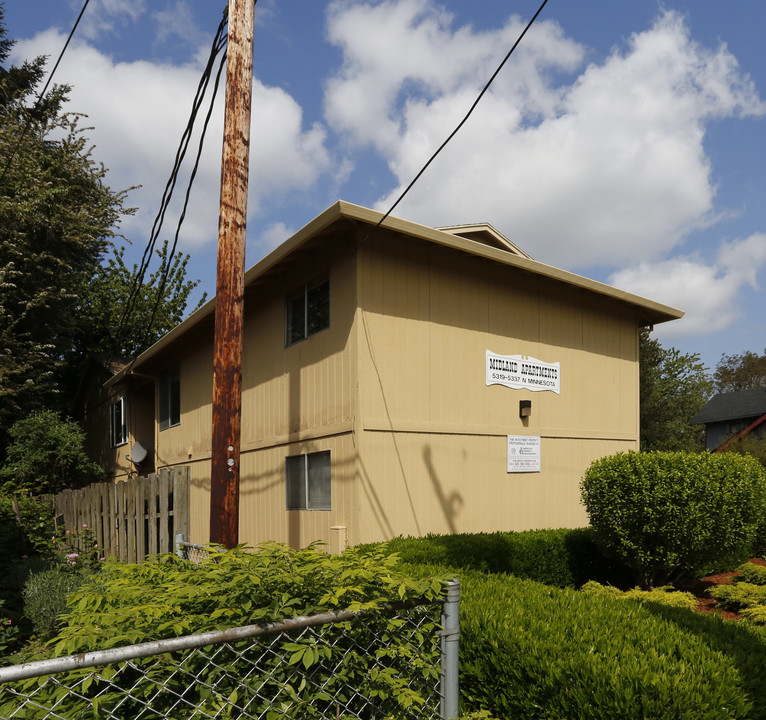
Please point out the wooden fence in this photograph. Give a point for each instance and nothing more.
(133, 519)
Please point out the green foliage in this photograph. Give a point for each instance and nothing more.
(751, 444)
(58, 222)
(673, 515)
(9, 634)
(752, 573)
(666, 595)
(673, 388)
(555, 557)
(740, 372)
(167, 597)
(47, 455)
(159, 305)
(45, 598)
(747, 595)
(530, 651)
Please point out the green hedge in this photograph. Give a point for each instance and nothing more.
(670, 515)
(532, 651)
(563, 558)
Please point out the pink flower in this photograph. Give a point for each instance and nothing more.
(84, 526)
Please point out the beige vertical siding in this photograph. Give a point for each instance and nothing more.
(292, 397)
(427, 317)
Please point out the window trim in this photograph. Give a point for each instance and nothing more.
(168, 412)
(306, 495)
(304, 293)
(114, 442)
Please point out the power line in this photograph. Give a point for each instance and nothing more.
(218, 45)
(42, 93)
(467, 115)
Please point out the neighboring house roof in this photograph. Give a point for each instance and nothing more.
(480, 240)
(732, 406)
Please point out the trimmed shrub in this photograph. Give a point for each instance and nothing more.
(530, 651)
(673, 515)
(666, 595)
(752, 573)
(563, 558)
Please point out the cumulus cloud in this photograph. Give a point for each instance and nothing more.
(710, 294)
(105, 16)
(139, 110)
(605, 170)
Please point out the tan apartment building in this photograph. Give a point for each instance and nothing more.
(397, 380)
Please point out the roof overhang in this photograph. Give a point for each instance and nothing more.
(648, 311)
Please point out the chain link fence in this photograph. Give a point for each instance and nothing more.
(346, 664)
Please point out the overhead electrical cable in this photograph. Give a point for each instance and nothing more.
(467, 115)
(218, 45)
(182, 216)
(42, 93)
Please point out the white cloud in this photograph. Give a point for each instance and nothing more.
(139, 110)
(710, 294)
(606, 170)
(103, 16)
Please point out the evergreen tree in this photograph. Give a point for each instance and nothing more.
(62, 299)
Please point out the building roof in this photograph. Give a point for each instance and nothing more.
(732, 406)
(481, 240)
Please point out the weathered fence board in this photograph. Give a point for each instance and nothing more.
(133, 519)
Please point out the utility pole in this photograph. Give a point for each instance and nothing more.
(230, 280)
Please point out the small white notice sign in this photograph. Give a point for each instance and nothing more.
(523, 454)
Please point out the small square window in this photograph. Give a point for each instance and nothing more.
(118, 427)
(307, 311)
(308, 481)
(170, 397)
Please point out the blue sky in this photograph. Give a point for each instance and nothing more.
(622, 141)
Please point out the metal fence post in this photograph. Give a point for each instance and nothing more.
(449, 652)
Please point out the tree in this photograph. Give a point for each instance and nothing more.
(47, 455)
(159, 304)
(740, 372)
(673, 389)
(57, 218)
(58, 222)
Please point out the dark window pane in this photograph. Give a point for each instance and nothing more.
(296, 319)
(295, 477)
(318, 302)
(170, 397)
(319, 481)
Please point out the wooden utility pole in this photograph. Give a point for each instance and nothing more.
(232, 225)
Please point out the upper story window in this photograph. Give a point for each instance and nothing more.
(307, 311)
(307, 481)
(170, 397)
(118, 426)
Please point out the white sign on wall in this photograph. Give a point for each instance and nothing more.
(523, 454)
(522, 372)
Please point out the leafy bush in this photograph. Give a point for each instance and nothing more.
(671, 515)
(752, 573)
(666, 595)
(168, 597)
(45, 598)
(563, 558)
(530, 651)
(47, 455)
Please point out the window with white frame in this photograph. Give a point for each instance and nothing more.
(170, 397)
(307, 311)
(118, 426)
(307, 481)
